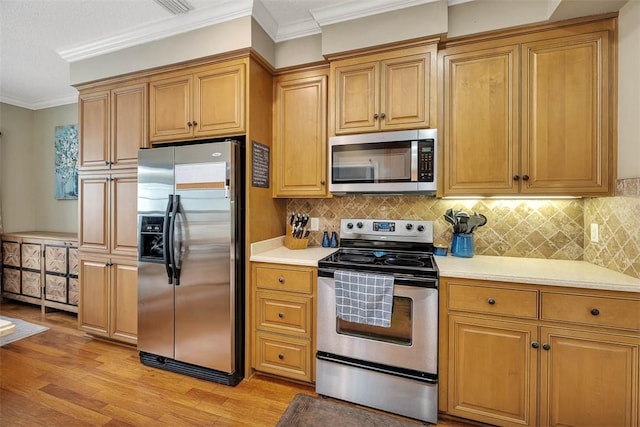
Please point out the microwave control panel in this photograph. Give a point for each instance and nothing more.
(426, 160)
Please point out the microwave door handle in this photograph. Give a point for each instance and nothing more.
(166, 250)
(414, 161)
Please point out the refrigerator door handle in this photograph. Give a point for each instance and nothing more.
(176, 246)
(166, 250)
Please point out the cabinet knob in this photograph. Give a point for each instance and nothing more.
(516, 177)
(525, 177)
(491, 301)
(546, 346)
(106, 162)
(376, 115)
(281, 356)
(195, 123)
(595, 311)
(535, 345)
(281, 279)
(383, 115)
(281, 315)
(322, 182)
(189, 124)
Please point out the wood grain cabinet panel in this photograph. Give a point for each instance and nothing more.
(202, 102)
(300, 134)
(384, 90)
(530, 113)
(11, 254)
(564, 366)
(283, 298)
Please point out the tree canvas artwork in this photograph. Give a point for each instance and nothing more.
(66, 145)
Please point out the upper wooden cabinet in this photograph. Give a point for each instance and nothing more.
(300, 134)
(391, 89)
(113, 126)
(203, 102)
(530, 114)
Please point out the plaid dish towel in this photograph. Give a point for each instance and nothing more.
(364, 297)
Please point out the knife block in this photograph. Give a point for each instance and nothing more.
(292, 243)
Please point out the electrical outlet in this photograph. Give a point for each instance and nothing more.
(315, 224)
(595, 233)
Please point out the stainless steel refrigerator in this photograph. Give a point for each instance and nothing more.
(190, 251)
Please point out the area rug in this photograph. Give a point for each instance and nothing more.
(310, 411)
(23, 330)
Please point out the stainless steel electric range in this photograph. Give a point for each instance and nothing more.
(393, 367)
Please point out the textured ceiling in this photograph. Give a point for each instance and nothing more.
(35, 35)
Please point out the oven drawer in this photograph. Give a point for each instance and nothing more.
(490, 300)
(283, 313)
(284, 356)
(284, 279)
(591, 310)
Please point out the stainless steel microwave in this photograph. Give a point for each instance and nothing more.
(384, 162)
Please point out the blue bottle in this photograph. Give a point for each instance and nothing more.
(334, 240)
(325, 239)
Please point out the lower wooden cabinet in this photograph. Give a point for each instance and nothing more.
(574, 362)
(41, 268)
(109, 297)
(283, 300)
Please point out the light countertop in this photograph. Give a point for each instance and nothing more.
(578, 274)
(274, 251)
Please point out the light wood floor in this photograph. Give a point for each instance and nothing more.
(62, 377)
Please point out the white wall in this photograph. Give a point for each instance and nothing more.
(27, 170)
(629, 91)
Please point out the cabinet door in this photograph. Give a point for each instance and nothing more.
(93, 233)
(300, 137)
(405, 92)
(93, 307)
(128, 124)
(123, 214)
(481, 112)
(565, 130)
(357, 96)
(588, 379)
(93, 116)
(219, 101)
(492, 371)
(170, 110)
(124, 301)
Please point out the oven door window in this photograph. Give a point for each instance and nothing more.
(400, 331)
(368, 163)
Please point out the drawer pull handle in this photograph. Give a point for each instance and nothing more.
(535, 345)
(281, 356)
(281, 279)
(281, 315)
(595, 311)
(491, 301)
(546, 346)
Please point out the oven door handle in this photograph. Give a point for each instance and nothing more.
(400, 280)
(377, 367)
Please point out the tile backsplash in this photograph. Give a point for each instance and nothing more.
(618, 218)
(520, 228)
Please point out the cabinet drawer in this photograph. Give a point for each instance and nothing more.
(55, 259)
(11, 254)
(284, 313)
(591, 310)
(489, 300)
(284, 279)
(31, 256)
(287, 357)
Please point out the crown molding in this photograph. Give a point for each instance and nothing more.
(354, 10)
(39, 105)
(308, 27)
(168, 27)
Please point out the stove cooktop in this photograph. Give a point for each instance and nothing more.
(382, 261)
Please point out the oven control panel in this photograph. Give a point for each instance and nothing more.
(383, 229)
